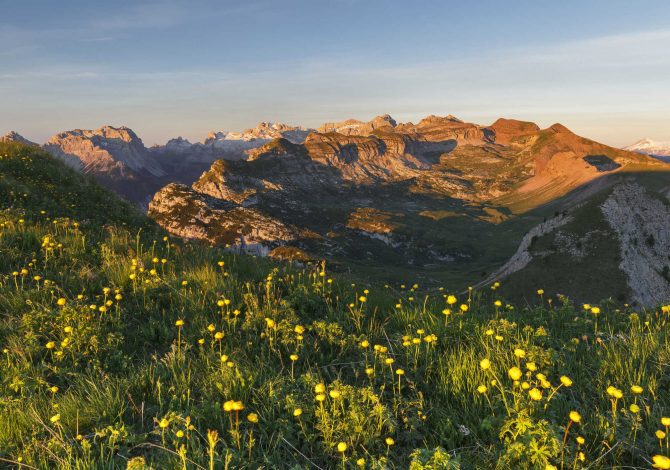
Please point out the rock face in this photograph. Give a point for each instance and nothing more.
(610, 243)
(192, 215)
(506, 131)
(116, 157)
(642, 225)
(12, 136)
(404, 195)
(356, 127)
(100, 150)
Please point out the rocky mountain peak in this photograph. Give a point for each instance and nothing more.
(13, 136)
(384, 119)
(119, 134)
(439, 119)
(506, 130)
(559, 128)
(356, 127)
(276, 147)
(178, 144)
(101, 150)
(264, 131)
(123, 133)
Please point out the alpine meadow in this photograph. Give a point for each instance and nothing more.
(409, 291)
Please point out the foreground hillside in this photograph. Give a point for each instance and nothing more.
(123, 348)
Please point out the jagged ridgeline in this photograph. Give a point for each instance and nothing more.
(127, 351)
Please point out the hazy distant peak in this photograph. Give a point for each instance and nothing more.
(435, 118)
(13, 136)
(356, 127)
(264, 131)
(650, 147)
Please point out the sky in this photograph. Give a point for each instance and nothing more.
(186, 67)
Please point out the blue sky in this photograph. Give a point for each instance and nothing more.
(178, 67)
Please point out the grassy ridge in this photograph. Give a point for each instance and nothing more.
(124, 350)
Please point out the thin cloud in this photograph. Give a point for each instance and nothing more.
(153, 15)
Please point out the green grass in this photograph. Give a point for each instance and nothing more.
(134, 389)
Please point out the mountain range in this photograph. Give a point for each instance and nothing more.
(448, 201)
(119, 160)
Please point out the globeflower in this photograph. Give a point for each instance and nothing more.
(661, 461)
(514, 373)
(485, 364)
(575, 417)
(614, 392)
(566, 381)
